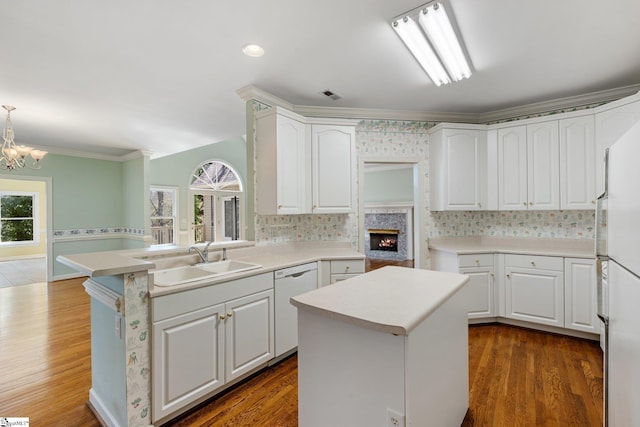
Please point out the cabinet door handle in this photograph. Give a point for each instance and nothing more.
(524, 203)
(279, 206)
(533, 264)
(229, 314)
(477, 262)
(479, 205)
(347, 268)
(593, 202)
(493, 275)
(530, 203)
(508, 276)
(222, 317)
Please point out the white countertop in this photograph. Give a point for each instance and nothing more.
(393, 300)
(577, 248)
(269, 257)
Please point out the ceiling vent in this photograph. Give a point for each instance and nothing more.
(334, 96)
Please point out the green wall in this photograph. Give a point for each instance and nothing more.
(393, 185)
(176, 170)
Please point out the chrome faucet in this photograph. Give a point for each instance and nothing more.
(204, 253)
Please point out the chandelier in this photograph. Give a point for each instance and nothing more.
(16, 156)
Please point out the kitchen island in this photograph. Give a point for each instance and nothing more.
(389, 347)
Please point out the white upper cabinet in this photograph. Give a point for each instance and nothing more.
(577, 164)
(333, 167)
(458, 169)
(303, 166)
(528, 167)
(512, 168)
(611, 124)
(282, 147)
(543, 164)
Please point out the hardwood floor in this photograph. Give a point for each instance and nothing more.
(516, 376)
(373, 264)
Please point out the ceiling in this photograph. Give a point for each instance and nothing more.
(114, 76)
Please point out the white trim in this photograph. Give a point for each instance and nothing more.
(420, 249)
(106, 296)
(19, 257)
(250, 92)
(101, 409)
(68, 276)
(59, 239)
(389, 205)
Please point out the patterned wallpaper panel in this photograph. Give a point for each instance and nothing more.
(535, 224)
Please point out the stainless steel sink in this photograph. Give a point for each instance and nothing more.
(191, 273)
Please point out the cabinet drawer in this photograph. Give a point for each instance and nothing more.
(535, 262)
(475, 260)
(347, 266)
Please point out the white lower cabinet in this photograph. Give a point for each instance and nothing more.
(534, 289)
(479, 295)
(580, 295)
(206, 337)
(330, 272)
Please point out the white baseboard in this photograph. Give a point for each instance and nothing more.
(104, 416)
(67, 276)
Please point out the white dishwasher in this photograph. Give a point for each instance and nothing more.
(288, 283)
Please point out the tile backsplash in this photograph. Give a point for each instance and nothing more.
(535, 224)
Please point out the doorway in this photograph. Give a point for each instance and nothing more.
(25, 230)
(390, 200)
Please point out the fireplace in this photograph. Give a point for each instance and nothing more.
(383, 239)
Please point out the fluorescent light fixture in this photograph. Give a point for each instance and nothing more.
(437, 27)
(413, 38)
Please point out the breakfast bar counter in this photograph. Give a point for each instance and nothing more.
(391, 344)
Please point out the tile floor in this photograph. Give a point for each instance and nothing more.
(23, 272)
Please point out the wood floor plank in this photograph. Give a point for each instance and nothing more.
(517, 377)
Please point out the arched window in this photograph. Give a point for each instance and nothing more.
(216, 176)
(216, 194)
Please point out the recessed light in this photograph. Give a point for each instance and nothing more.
(253, 50)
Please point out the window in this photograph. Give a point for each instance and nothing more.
(163, 215)
(18, 218)
(215, 191)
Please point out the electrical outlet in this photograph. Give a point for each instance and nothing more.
(394, 419)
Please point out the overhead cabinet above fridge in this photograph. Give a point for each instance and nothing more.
(304, 165)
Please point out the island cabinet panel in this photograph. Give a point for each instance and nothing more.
(351, 374)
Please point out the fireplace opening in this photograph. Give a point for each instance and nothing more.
(383, 240)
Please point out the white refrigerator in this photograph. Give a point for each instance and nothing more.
(618, 246)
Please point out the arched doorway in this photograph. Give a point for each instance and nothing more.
(215, 203)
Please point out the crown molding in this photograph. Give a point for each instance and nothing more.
(90, 155)
(602, 96)
(250, 92)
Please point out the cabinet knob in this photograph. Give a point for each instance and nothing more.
(533, 264)
(479, 205)
(493, 275)
(315, 206)
(508, 276)
(530, 203)
(229, 314)
(222, 317)
(279, 206)
(524, 203)
(347, 268)
(477, 262)
(593, 202)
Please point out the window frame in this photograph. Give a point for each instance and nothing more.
(35, 212)
(174, 217)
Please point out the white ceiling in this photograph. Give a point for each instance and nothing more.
(158, 75)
